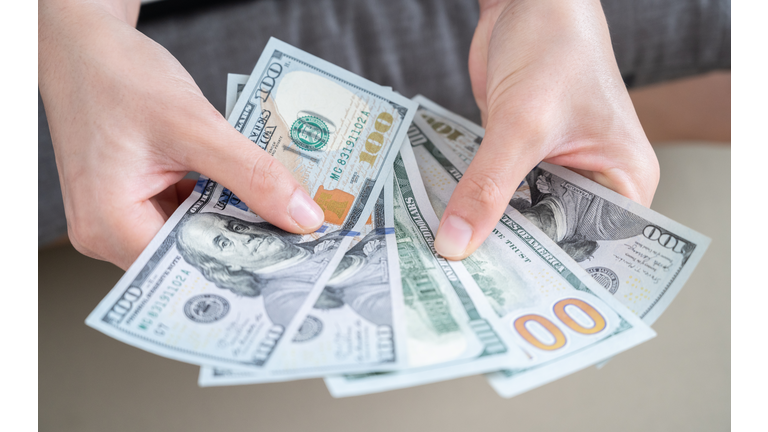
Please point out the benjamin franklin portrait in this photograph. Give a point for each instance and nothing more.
(573, 217)
(259, 259)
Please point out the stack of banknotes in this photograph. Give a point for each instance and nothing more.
(572, 274)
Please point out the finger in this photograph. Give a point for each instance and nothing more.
(147, 220)
(482, 195)
(172, 197)
(257, 178)
(630, 170)
(138, 221)
(168, 201)
(139, 224)
(184, 189)
(127, 235)
(478, 67)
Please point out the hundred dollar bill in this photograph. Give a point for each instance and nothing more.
(235, 85)
(452, 330)
(639, 256)
(334, 130)
(372, 311)
(552, 309)
(459, 138)
(219, 286)
(356, 325)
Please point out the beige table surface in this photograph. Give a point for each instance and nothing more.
(679, 381)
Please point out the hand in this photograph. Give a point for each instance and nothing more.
(546, 81)
(128, 123)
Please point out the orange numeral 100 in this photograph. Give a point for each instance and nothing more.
(375, 140)
(565, 318)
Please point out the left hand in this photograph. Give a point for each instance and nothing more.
(548, 87)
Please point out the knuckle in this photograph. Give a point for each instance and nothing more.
(643, 175)
(266, 173)
(655, 170)
(652, 178)
(81, 237)
(74, 238)
(209, 116)
(484, 191)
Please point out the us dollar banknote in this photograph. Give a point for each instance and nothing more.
(452, 330)
(365, 333)
(459, 139)
(218, 285)
(235, 85)
(357, 324)
(331, 128)
(638, 255)
(549, 306)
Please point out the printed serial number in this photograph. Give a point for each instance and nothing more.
(153, 312)
(349, 145)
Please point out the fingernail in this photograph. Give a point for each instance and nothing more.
(305, 212)
(453, 237)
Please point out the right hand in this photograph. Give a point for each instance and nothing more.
(548, 87)
(128, 122)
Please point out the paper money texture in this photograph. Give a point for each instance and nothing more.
(641, 257)
(219, 286)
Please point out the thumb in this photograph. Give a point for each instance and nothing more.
(257, 178)
(482, 195)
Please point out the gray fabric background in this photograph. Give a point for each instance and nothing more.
(413, 46)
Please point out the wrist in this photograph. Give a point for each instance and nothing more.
(491, 9)
(69, 29)
(51, 11)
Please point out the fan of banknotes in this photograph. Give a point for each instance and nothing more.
(572, 274)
